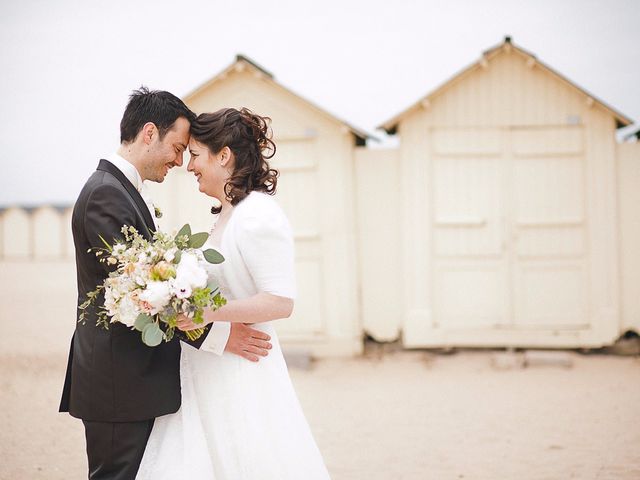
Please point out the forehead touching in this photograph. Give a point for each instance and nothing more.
(195, 146)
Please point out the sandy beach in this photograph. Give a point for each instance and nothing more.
(395, 415)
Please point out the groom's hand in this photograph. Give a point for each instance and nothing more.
(248, 342)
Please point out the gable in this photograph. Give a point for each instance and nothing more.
(509, 89)
(244, 83)
(507, 86)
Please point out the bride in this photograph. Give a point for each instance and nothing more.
(239, 420)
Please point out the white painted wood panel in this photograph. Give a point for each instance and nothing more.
(548, 227)
(298, 193)
(508, 225)
(470, 294)
(628, 170)
(380, 250)
(469, 260)
(551, 294)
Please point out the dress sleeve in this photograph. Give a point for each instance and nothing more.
(265, 241)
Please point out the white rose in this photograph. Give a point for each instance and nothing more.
(189, 271)
(127, 311)
(188, 260)
(156, 294)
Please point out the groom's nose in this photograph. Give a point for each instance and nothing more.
(179, 160)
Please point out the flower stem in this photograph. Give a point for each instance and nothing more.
(194, 334)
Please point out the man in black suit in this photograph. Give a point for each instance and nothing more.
(115, 383)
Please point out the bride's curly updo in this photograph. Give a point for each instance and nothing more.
(248, 136)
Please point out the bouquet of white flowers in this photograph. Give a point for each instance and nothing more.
(155, 281)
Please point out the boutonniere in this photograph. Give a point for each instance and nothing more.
(157, 212)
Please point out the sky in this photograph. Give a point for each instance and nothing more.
(68, 66)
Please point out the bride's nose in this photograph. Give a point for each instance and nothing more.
(190, 164)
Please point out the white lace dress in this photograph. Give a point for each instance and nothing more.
(240, 420)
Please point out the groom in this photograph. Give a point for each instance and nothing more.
(115, 383)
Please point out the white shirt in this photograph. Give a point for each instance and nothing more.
(132, 174)
(218, 336)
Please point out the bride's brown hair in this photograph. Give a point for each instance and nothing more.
(248, 136)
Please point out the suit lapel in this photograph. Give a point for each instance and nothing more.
(109, 167)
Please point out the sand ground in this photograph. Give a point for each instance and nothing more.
(399, 415)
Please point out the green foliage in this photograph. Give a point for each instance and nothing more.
(102, 319)
(197, 239)
(152, 335)
(183, 236)
(213, 256)
(185, 230)
(171, 321)
(84, 306)
(219, 301)
(201, 297)
(142, 321)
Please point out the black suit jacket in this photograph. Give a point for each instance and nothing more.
(111, 375)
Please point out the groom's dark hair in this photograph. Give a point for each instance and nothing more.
(156, 106)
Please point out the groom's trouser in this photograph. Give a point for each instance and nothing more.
(114, 450)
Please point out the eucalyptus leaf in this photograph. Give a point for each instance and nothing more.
(177, 257)
(213, 285)
(197, 239)
(185, 230)
(213, 256)
(152, 335)
(142, 321)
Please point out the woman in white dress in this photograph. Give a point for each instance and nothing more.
(239, 420)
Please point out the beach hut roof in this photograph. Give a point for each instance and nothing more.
(507, 45)
(243, 62)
